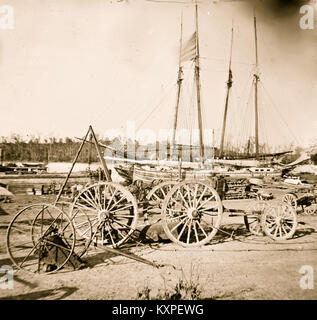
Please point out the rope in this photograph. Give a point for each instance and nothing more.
(281, 116)
(156, 107)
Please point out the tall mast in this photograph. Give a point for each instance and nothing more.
(212, 149)
(179, 84)
(229, 85)
(197, 78)
(256, 80)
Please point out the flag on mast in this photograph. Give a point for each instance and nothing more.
(189, 49)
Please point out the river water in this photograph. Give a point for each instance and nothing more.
(30, 184)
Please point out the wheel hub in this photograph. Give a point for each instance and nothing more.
(103, 215)
(193, 213)
(279, 221)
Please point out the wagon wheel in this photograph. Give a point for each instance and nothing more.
(290, 199)
(279, 222)
(309, 210)
(111, 210)
(40, 235)
(156, 197)
(157, 194)
(191, 213)
(252, 217)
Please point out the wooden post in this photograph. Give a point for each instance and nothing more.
(101, 158)
(157, 150)
(168, 150)
(125, 150)
(180, 168)
(180, 149)
(89, 151)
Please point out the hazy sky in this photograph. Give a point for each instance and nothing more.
(71, 63)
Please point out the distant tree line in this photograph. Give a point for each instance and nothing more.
(52, 149)
(49, 150)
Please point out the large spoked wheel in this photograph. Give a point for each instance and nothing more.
(311, 209)
(38, 236)
(252, 217)
(279, 222)
(290, 199)
(155, 199)
(191, 213)
(105, 213)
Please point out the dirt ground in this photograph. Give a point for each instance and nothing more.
(246, 267)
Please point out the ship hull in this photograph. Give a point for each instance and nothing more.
(148, 175)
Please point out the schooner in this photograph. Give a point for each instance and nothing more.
(163, 170)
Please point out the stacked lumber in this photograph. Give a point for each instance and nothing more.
(236, 188)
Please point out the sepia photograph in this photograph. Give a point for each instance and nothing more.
(160, 150)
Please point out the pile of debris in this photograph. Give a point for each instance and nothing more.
(236, 188)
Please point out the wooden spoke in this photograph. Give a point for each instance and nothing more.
(88, 202)
(202, 229)
(111, 198)
(195, 196)
(83, 207)
(122, 198)
(202, 194)
(183, 229)
(122, 208)
(175, 218)
(178, 224)
(206, 201)
(189, 229)
(110, 235)
(185, 202)
(195, 230)
(189, 197)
